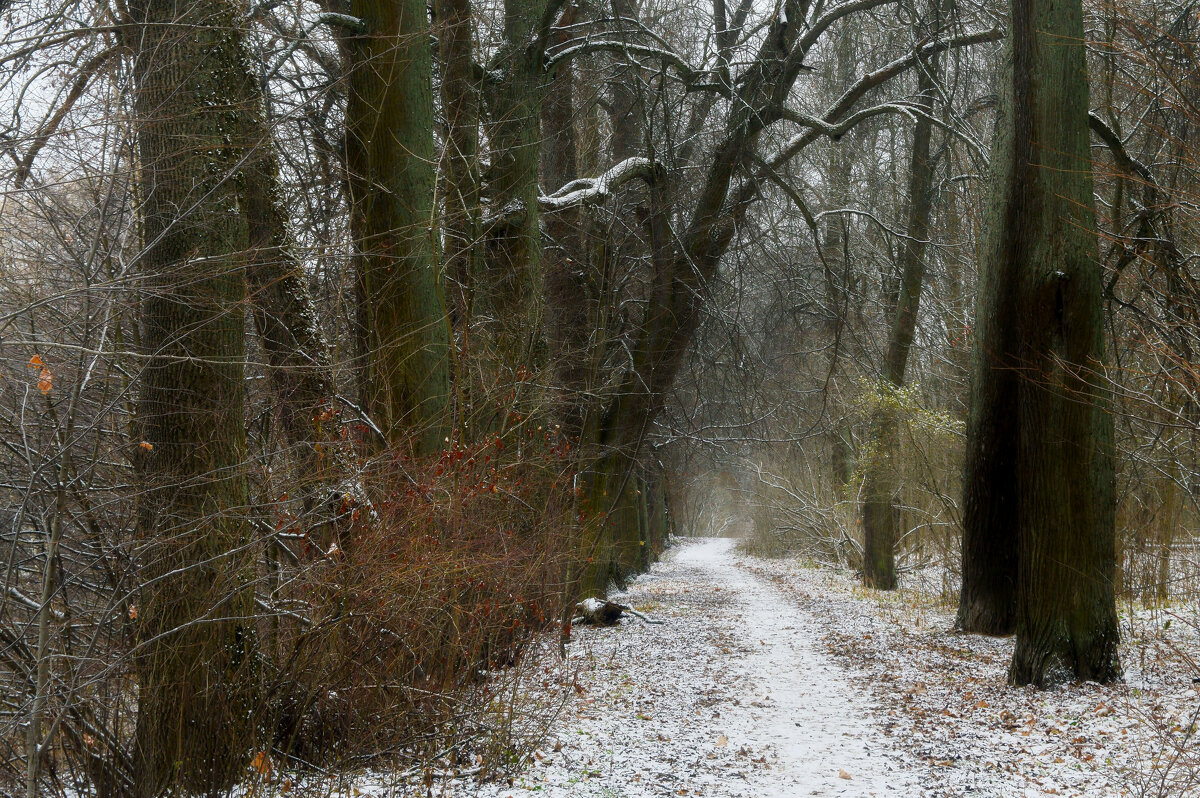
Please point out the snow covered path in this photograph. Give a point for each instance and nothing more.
(814, 717)
(731, 696)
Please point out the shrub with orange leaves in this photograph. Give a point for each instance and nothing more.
(423, 598)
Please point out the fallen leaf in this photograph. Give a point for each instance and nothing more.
(844, 775)
(722, 741)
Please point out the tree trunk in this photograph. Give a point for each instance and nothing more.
(461, 104)
(569, 303)
(835, 266)
(1044, 330)
(511, 288)
(625, 112)
(196, 607)
(389, 154)
(300, 368)
(987, 601)
(880, 515)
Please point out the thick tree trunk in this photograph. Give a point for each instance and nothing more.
(1044, 329)
(987, 601)
(880, 515)
(569, 301)
(195, 612)
(389, 155)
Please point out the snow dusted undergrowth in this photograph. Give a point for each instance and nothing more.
(770, 679)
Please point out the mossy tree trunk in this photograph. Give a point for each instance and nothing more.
(570, 300)
(510, 291)
(195, 611)
(299, 363)
(880, 514)
(390, 159)
(1039, 360)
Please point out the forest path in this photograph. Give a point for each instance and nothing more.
(732, 695)
(814, 717)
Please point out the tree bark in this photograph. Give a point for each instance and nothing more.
(1041, 326)
(195, 610)
(880, 515)
(300, 367)
(569, 302)
(511, 287)
(461, 105)
(625, 112)
(389, 155)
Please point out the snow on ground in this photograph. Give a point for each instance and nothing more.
(730, 697)
(942, 697)
(771, 679)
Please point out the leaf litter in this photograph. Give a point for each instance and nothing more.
(771, 679)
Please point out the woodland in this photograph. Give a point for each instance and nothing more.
(348, 344)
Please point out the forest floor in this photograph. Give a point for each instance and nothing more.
(768, 678)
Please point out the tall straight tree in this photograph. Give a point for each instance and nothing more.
(510, 296)
(1040, 436)
(880, 514)
(390, 158)
(299, 362)
(194, 727)
(461, 104)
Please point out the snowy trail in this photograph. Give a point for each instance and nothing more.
(732, 696)
(816, 719)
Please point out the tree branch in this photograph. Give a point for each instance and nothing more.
(596, 189)
(86, 73)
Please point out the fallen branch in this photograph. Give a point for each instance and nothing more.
(606, 613)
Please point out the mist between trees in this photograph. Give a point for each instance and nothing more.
(347, 344)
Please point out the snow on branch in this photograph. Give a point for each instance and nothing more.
(345, 21)
(686, 71)
(1117, 147)
(597, 189)
(835, 130)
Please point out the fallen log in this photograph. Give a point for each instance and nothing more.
(600, 612)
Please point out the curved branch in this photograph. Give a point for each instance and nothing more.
(596, 189)
(86, 73)
(871, 80)
(686, 71)
(1124, 160)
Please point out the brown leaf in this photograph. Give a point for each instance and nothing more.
(844, 775)
(261, 763)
